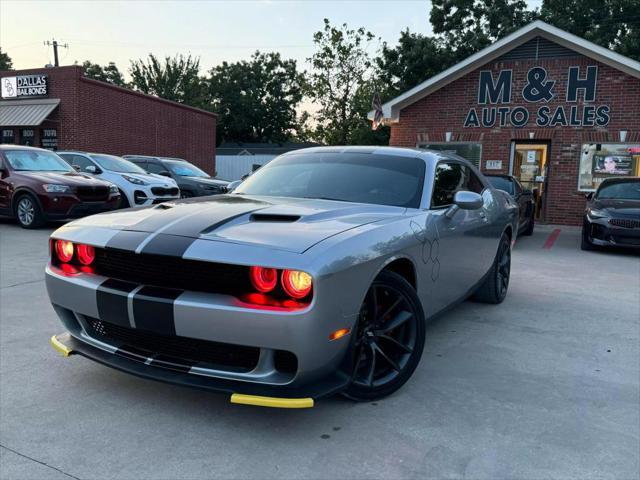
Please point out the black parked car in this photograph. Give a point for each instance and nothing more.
(192, 181)
(612, 217)
(522, 196)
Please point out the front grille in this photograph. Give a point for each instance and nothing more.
(93, 194)
(161, 191)
(625, 222)
(189, 350)
(172, 272)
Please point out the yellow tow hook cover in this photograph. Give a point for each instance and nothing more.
(272, 402)
(60, 347)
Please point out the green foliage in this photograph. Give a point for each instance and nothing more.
(109, 74)
(613, 24)
(176, 78)
(256, 100)
(342, 68)
(415, 59)
(5, 61)
(467, 26)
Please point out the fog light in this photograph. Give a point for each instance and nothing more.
(64, 250)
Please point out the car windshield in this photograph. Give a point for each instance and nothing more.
(36, 161)
(619, 191)
(349, 177)
(184, 169)
(116, 164)
(502, 183)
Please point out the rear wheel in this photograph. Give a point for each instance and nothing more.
(495, 286)
(531, 225)
(28, 212)
(388, 339)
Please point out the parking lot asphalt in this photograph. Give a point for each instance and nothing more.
(546, 385)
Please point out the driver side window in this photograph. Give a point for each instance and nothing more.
(449, 178)
(155, 167)
(79, 161)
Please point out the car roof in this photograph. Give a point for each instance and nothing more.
(380, 150)
(610, 180)
(13, 146)
(503, 175)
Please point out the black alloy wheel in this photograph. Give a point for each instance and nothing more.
(496, 284)
(124, 201)
(388, 339)
(585, 241)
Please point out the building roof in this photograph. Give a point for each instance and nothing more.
(229, 148)
(26, 113)
(391, 109)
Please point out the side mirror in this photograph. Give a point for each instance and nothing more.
(464, 201)
(589, 195)
(165, 173)
(468, 200)
(92, 169)
(233, 185)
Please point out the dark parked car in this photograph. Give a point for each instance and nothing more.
(612, 217)
(522, 196)
(192, 181)
(37, 185)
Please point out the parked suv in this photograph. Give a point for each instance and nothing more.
(137, 187)
(36, 185)
(192, 181)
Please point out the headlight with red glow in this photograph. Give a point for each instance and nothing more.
(296, 284)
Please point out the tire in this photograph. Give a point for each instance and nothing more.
(124, 201)
(186, 194)
(530, 226)
(495, 286)
(27, 212)
(388, 339)
(585, 243)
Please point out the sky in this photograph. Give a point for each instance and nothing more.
(215, 31)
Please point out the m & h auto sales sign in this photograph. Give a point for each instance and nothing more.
(539, 88)
(25, 86)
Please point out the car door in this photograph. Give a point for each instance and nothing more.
(462, 238)
(79, 162)
(6, 188)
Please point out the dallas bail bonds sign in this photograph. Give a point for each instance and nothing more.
(539, 89)
(24, 86)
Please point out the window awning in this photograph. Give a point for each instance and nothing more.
(26, 113)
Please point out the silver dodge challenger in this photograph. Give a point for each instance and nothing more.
(317, 275)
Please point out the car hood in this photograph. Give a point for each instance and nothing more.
(62, 178)
(626, 208)
(290, 224)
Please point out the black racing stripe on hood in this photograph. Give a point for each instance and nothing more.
(163, 244)
(126, 240)
(210, 219)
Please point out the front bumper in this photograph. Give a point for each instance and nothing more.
(243, 393)
(87, 302)
(600, 232)
(144, 195)
(69, 207)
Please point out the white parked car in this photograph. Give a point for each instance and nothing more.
(137, 187)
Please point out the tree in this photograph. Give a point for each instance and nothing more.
(467, 26)
(256, 99)
(109, 74)
(613, 24)
(175, 78)
(341, 68)
(413, 60)
(5, 61)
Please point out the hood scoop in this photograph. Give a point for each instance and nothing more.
(273, 218)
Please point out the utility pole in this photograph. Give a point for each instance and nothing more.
(55, 46)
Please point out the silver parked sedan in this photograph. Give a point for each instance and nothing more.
(315, 276)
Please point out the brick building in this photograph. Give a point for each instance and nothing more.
(60, 108)
(541, 104)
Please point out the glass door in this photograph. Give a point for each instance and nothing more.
(530, 167)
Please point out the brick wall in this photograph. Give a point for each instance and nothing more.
(445, 110)
(99, 117)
